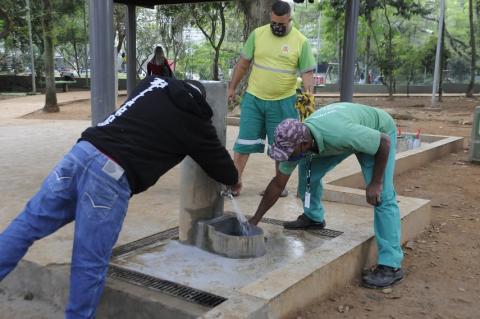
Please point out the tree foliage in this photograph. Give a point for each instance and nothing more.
(396, 38)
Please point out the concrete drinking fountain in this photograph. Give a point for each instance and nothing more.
(202, 220)
(224, 236)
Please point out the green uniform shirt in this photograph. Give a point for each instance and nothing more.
(276, 61)
(342, 128)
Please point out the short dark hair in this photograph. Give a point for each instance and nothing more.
(281, 8)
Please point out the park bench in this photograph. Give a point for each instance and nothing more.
(64, 84)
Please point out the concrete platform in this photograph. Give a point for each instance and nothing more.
(299, 266)
(305, 269)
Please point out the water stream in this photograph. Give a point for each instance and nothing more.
(245, 227)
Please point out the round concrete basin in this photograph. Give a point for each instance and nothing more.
(226, 237)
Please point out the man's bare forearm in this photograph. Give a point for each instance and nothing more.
(272, 193)
(380, 159)
(239, 72)
(307, 79)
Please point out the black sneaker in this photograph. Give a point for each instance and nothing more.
(381, 277)
(303, 222)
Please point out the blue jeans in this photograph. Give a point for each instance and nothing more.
(386, 215)
(79, 189)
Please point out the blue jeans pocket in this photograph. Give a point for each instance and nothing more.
(99, 199)
(61, 176)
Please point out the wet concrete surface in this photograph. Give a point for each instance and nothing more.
(196, 268)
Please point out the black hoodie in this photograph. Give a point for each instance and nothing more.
(162, 121)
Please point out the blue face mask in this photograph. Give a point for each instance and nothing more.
(296, 157)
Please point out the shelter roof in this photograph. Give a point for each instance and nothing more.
(152, 3)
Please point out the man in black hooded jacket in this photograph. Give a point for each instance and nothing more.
(161, 122)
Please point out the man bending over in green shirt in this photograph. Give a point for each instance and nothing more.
(326, 138)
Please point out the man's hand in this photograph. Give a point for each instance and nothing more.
(373, 192)
(254, 221)
(235, 189)
(231, 95)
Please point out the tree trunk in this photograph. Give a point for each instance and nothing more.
(367, 49)
(120, 16)
(7, 24)
(367, 59)
(389, 38)
(218, 11)
(471, 84)
(256, 12)
(220, 42)
(77, 58)
(50, 94)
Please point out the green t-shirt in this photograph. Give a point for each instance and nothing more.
(276, 61)
(345, 128)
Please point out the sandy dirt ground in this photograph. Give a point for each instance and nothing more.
(442, 274)
(7, 97)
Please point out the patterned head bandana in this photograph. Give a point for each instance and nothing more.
(288, 135)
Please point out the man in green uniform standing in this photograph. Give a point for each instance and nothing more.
(276, 51)
(326, 138)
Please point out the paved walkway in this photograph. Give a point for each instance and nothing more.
(16, 107)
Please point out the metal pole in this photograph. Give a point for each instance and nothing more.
(438, 59)
(349, 50)
(131, 49)
(318, 41)
(102, 54)
(34, 87)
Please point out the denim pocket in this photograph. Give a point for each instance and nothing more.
(98, 199)
(61, 176)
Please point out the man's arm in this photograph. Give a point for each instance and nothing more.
(272, 193)
(307, 78)
(238, 73)
(374, 189)
(206, 149)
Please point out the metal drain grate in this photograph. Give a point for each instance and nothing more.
(272, 221)
(325, 232)
(134, 245)
(164, 286)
